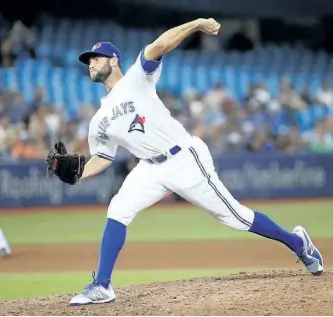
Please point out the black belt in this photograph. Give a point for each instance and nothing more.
(162, 157)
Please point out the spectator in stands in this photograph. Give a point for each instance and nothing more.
(250, 92)
(6, 99)
(7, 58)
(217, 142)
(37, 127)
(6, 133)
(16, 109)
(2, 104)
(256, 115)
(319, 140)
(39, 98)
(194, 103)
(179, 108)
(68, 130)
(79, 143)
(261, 94)
(296, 102)
(306, 94)
(262, 141)
(219, 99)
(235, 142)
(295, 142)
(195, 106)
(325, 95)
(281, 138)
(216, 97)
(53, 122)
(289, 97)
(19, 42)
(212, 113)
(175, 105)
(330, 122)
(68, 133)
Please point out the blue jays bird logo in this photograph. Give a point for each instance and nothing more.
(96, 46)
(138, 124)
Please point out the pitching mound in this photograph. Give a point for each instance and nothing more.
(265, 293)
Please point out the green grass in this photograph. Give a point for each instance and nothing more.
(174, 224)
(29, 285)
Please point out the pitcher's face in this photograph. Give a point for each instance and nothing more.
(99, 68)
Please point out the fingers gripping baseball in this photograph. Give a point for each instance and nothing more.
(68, 168)
(209, 26)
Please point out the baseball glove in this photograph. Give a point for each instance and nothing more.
(68, 168)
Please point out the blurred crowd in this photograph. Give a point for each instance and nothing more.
(259, 123)
(28, 130)
(289, 122)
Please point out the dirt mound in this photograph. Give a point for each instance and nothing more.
(265, 293)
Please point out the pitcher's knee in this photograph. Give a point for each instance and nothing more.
(121, 215)
(240, 218)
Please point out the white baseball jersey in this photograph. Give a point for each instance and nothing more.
(133, 116)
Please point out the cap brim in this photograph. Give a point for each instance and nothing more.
(85, 56)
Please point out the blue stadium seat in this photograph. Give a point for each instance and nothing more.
(318, 112)
(305, 120)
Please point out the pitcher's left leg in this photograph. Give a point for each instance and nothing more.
(204, 188)
(140, 190)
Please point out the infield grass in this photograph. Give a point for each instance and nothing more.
(158, 224)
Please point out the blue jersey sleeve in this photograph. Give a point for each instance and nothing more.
(149, 66)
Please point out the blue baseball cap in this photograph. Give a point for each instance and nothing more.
(105, 49)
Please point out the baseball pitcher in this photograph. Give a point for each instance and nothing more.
(171, 160)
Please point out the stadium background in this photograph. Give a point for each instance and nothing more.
(260, 94)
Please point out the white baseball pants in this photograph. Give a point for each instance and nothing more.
(191, 174)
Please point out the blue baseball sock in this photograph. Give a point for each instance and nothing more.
(112, 242)
(265, 227)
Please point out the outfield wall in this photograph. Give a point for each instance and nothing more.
(23, 183)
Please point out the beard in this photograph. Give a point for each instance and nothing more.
(102, 75)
